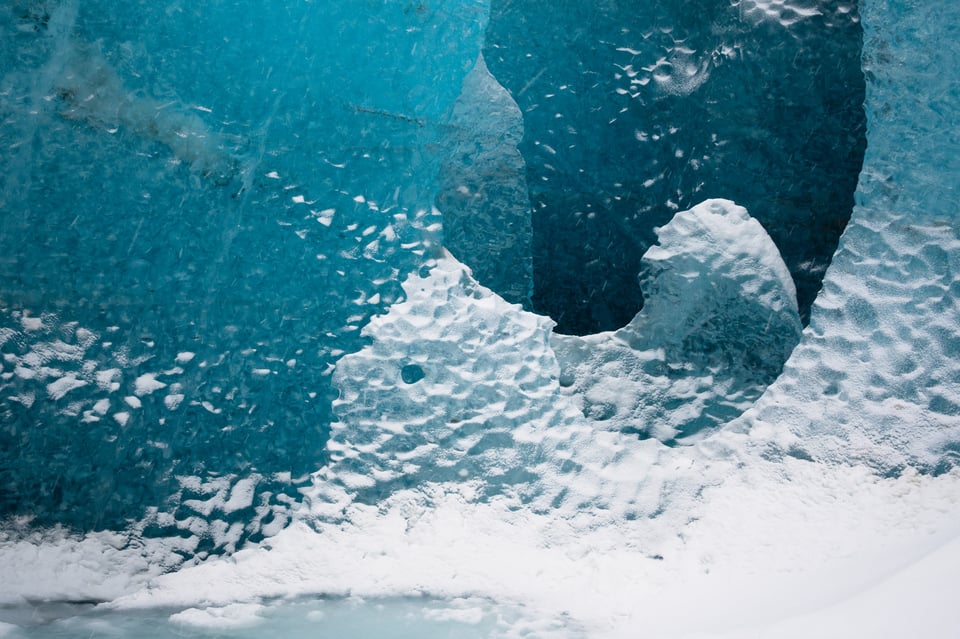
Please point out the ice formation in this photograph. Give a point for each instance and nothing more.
(634, 112)
(458, 386)
(121, 255)
(482, 189)
(484, 392)
(719, 319)
(876, 377)
(219, 406)
(91, 91)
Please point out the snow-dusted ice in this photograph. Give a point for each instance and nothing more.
(712, 469)
(720, 319)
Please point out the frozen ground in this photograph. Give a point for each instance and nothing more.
(792, 549)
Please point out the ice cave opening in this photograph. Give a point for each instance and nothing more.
(632, 113)
(581, 133)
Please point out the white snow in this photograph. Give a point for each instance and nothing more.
(241, 496)
(147, 383)
(219, 619)
(59, 388)
(778, 547)
(31, 323)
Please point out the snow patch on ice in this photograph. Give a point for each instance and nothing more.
(59, 388)
(228, 617)
(31, 323)
(147, 383)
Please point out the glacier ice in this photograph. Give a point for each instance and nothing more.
(482, 190)
(92, 92)
(634, 112)
(275, 213)
(254, 213)
(478, 410)
(875, 377)
(499, 401)
(719, 319)
(289, 356)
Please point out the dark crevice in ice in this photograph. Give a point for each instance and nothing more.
(634, 112)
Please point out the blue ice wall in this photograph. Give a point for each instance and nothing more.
(202, 204)
(634, 111)
(483, 188)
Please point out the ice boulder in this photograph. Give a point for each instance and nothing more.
(719, 319)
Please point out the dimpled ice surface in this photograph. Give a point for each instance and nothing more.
(189, 246)
(479, 319)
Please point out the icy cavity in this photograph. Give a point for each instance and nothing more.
(634, 111)
(719, 319)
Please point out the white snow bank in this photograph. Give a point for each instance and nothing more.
(797, 541)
